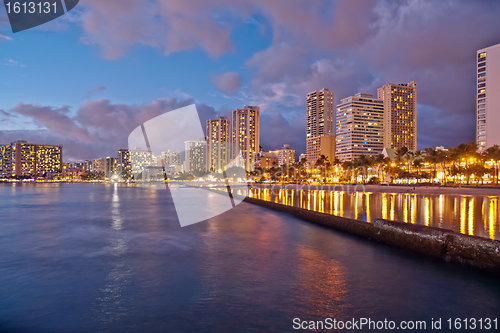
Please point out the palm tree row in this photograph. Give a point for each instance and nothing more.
(456, 165)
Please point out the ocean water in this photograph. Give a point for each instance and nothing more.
(105, 258)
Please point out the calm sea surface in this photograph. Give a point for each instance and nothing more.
(104, 258)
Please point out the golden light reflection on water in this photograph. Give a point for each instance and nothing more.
(459, 213)
(356, 205)
(463, 212)
(368, 215)
(493, 202)
(392, 207)
(427, 218)
(384, 206)
(322, 280)
(471, 216)
(405, 211)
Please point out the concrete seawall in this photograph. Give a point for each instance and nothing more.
(445, 244)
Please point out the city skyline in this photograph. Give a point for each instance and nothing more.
(242, 58)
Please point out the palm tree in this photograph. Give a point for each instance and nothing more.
(431, 157)
(380, 160)
(467, 151)
(417, 163)
(363, 163)
(400, 154)
(493, 154)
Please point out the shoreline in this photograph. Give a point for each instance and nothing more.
(486, 191)
(349, 188)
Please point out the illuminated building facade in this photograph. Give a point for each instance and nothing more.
(5, 161)
(172, 158)
(488, 97)
(124, 166)
(320, 120)
(246, 135)
(140, 159)
(108, 166)
(285, 155)
(29, 159)
(196, 157)
(359, 127)
(266, 160)
(400, 115)
(218, 143)
(87, 166)
(320, 145)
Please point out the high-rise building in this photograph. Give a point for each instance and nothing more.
(285, 155)
(124, 166)
(320, 121)
(5, 161)
(320, 113)
(140, 159)
(218, 143)
(87, 166)
(488, 97)
(359, 127)
(172, 158)
(400, 115)
(35, 160)
(107, 166)
(246, 134)
(196, 157)
(320, 145)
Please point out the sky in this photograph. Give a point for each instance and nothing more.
(88, 78)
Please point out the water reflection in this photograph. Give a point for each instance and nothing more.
(471, 215)
(112, 297)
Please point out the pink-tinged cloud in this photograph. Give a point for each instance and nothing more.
(94, 90)
(98, 128)
(228, 83)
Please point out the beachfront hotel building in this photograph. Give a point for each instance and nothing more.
(400, 115)
(359, 127)
(21, 158)
(5, 161)
(172, 157)
(488, 97)
(196, 156)
(285, 155)
(108, 166)
(320, 123)
(124, 166)
(320, 145)
(140, 159)
(246, 135)
(218, 143)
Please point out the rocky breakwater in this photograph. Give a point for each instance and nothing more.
(445, 244)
